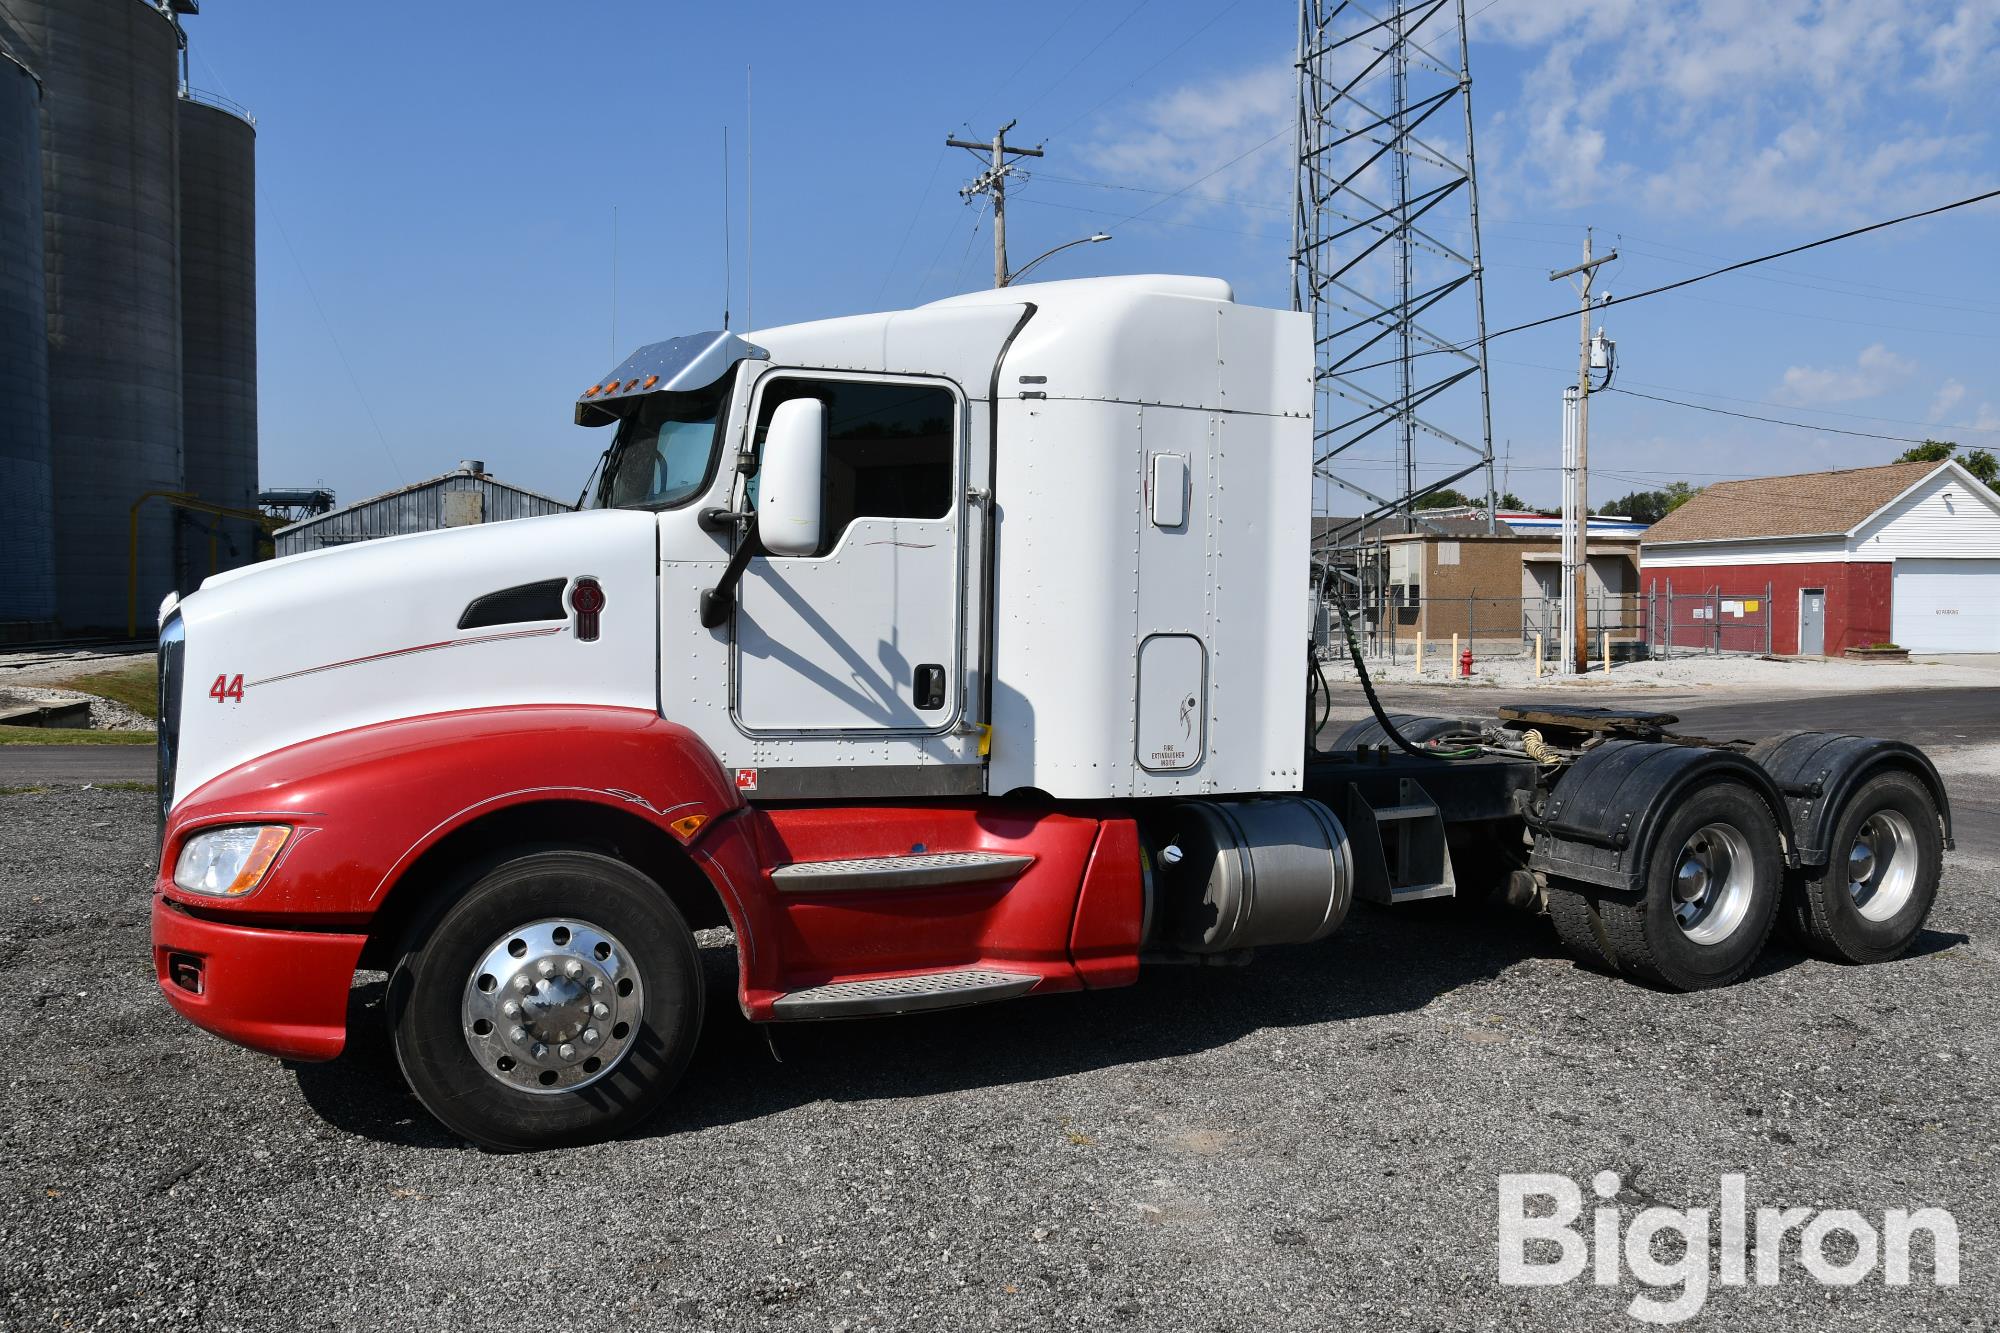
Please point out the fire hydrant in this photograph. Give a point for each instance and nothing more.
(1465, 663)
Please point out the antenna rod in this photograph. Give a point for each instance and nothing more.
(725, 228)
(748, 322)
(614, 284)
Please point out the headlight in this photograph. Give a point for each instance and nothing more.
(229, 862)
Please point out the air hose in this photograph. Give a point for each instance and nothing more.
(1382, 718)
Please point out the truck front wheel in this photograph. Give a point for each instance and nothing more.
(555, 1000)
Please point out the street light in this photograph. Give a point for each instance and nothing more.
(1081, 240)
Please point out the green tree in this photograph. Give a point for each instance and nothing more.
(1443, 498)
(1651, 506)
(1979, 462)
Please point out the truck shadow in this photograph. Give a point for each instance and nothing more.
(1382, 962)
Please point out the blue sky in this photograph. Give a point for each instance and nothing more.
(438, 184)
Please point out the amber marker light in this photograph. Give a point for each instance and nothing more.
(687, 826)
(651, 380)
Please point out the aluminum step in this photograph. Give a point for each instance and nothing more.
(1387, 814)
(923, 871)
(1401, 853)
(1409, 893)
(904, 995)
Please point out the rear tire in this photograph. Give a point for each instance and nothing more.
(1711, 893)
(1881, 877)
(1573, 909)
(555, 1000)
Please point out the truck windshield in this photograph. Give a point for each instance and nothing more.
(665, 451)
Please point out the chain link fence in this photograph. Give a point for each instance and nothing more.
(1661, 622)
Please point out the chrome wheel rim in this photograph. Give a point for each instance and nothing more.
(552, 1006)
(1882, 865)
(1714, 881)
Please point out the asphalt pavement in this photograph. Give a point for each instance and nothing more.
(60, 765)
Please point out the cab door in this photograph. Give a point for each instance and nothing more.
(864, 635)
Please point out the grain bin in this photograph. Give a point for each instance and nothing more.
(27, 531)
(112, 287)
(218, 185)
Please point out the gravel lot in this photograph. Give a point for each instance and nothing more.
(1309, 1142)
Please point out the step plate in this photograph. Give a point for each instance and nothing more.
(928, 870)
(903, 995)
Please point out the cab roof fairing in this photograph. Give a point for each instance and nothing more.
(678, 365)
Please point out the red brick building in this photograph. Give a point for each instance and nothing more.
(1908, 554)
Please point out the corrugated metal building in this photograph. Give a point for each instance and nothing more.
(454, 500)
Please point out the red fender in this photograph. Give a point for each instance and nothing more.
(364, 805)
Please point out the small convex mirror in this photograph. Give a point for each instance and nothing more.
(788, 482)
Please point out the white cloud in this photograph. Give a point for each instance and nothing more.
(1181, 136)
(1948, 396)
(1876, 370)
(1803, 110)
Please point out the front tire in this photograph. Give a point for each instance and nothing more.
(555, 1000)
(1873, 895)
(1710, 897)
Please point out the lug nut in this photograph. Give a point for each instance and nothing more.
(566, 1051)
(546, 968)
(518, 1035)
(572, 967)
(521, 982)
(590, 1035)
(539, 1049)
(600, 1010)
(511, 1009)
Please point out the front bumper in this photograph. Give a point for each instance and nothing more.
(282, 992)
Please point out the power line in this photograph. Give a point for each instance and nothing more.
(1085, 57)
(1760, 402)
(1175, 194)
(1272, 207)
(993, 97)
(1129, 83)
(1775, 421)
(1149, 222)
(1712, 273)
(915, 213)
(1799, 278)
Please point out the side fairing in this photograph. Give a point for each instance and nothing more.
(384, 630)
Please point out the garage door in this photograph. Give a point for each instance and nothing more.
(1948, 606)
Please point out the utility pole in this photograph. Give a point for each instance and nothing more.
(1580, 577)
(993, 181)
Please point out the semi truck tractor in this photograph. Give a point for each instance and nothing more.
(946, 656)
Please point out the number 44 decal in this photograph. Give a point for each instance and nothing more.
(226, 687)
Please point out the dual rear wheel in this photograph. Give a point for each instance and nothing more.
(1717, 884)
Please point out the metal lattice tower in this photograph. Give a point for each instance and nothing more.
(1386, 249)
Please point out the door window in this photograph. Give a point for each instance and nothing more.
(889, 449)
